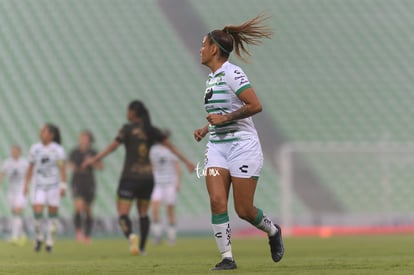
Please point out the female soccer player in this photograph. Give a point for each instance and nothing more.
(137, 179)
(83, 185)
(14, 170)
(167, 177)
(47, 166)
(234, 155)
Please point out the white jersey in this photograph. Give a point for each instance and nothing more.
(221, 96)
(15, 172)
(163, 165)
(46, 160)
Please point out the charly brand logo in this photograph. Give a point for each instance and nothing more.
(202, 172)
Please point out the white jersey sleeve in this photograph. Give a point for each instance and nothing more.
(237, 80)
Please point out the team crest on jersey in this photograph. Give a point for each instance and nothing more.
(220, 75)
(139, 133)
(208, 95)
(219, 78)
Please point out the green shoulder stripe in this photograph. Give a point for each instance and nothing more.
(239, 91)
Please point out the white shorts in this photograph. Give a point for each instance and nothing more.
(50, 196)
(243, 158)
(166, 193)
(16, 200)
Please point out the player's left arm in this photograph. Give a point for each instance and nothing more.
(99, 165)
(62, 171)
(179, 175)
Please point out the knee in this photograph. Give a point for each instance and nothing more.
(245, 213)
(218, 204)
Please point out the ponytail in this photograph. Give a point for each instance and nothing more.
(237, 36)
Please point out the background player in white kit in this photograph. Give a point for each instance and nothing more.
(47, 168)
(14, 170)
(167, 177)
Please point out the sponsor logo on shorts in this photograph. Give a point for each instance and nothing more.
(244, 168)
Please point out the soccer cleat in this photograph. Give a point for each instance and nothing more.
(38, 245)
(49, 248)
(225, 264)
(133, 244)
(276, 245)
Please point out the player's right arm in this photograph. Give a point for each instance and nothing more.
(29, 172)
(109, 149)
(71, 163)
(28, 178)
(177, 167)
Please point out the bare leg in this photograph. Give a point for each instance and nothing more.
(156, 221)
(218, 187)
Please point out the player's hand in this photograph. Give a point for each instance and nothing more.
(199, 134)
(25, 190)
(87, 162)
(216, 119)
(190, 166)
(63, 187)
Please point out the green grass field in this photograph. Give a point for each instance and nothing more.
(337, 255)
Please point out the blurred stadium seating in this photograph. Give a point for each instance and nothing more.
(335, 71)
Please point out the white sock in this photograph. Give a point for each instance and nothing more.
(17, 225)
(222, 234)
(51, 230)
(156, 230)
(38, 229)
(267, 226)
(171, 233)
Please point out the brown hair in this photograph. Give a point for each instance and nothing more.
(55, 132)
(236, 37)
